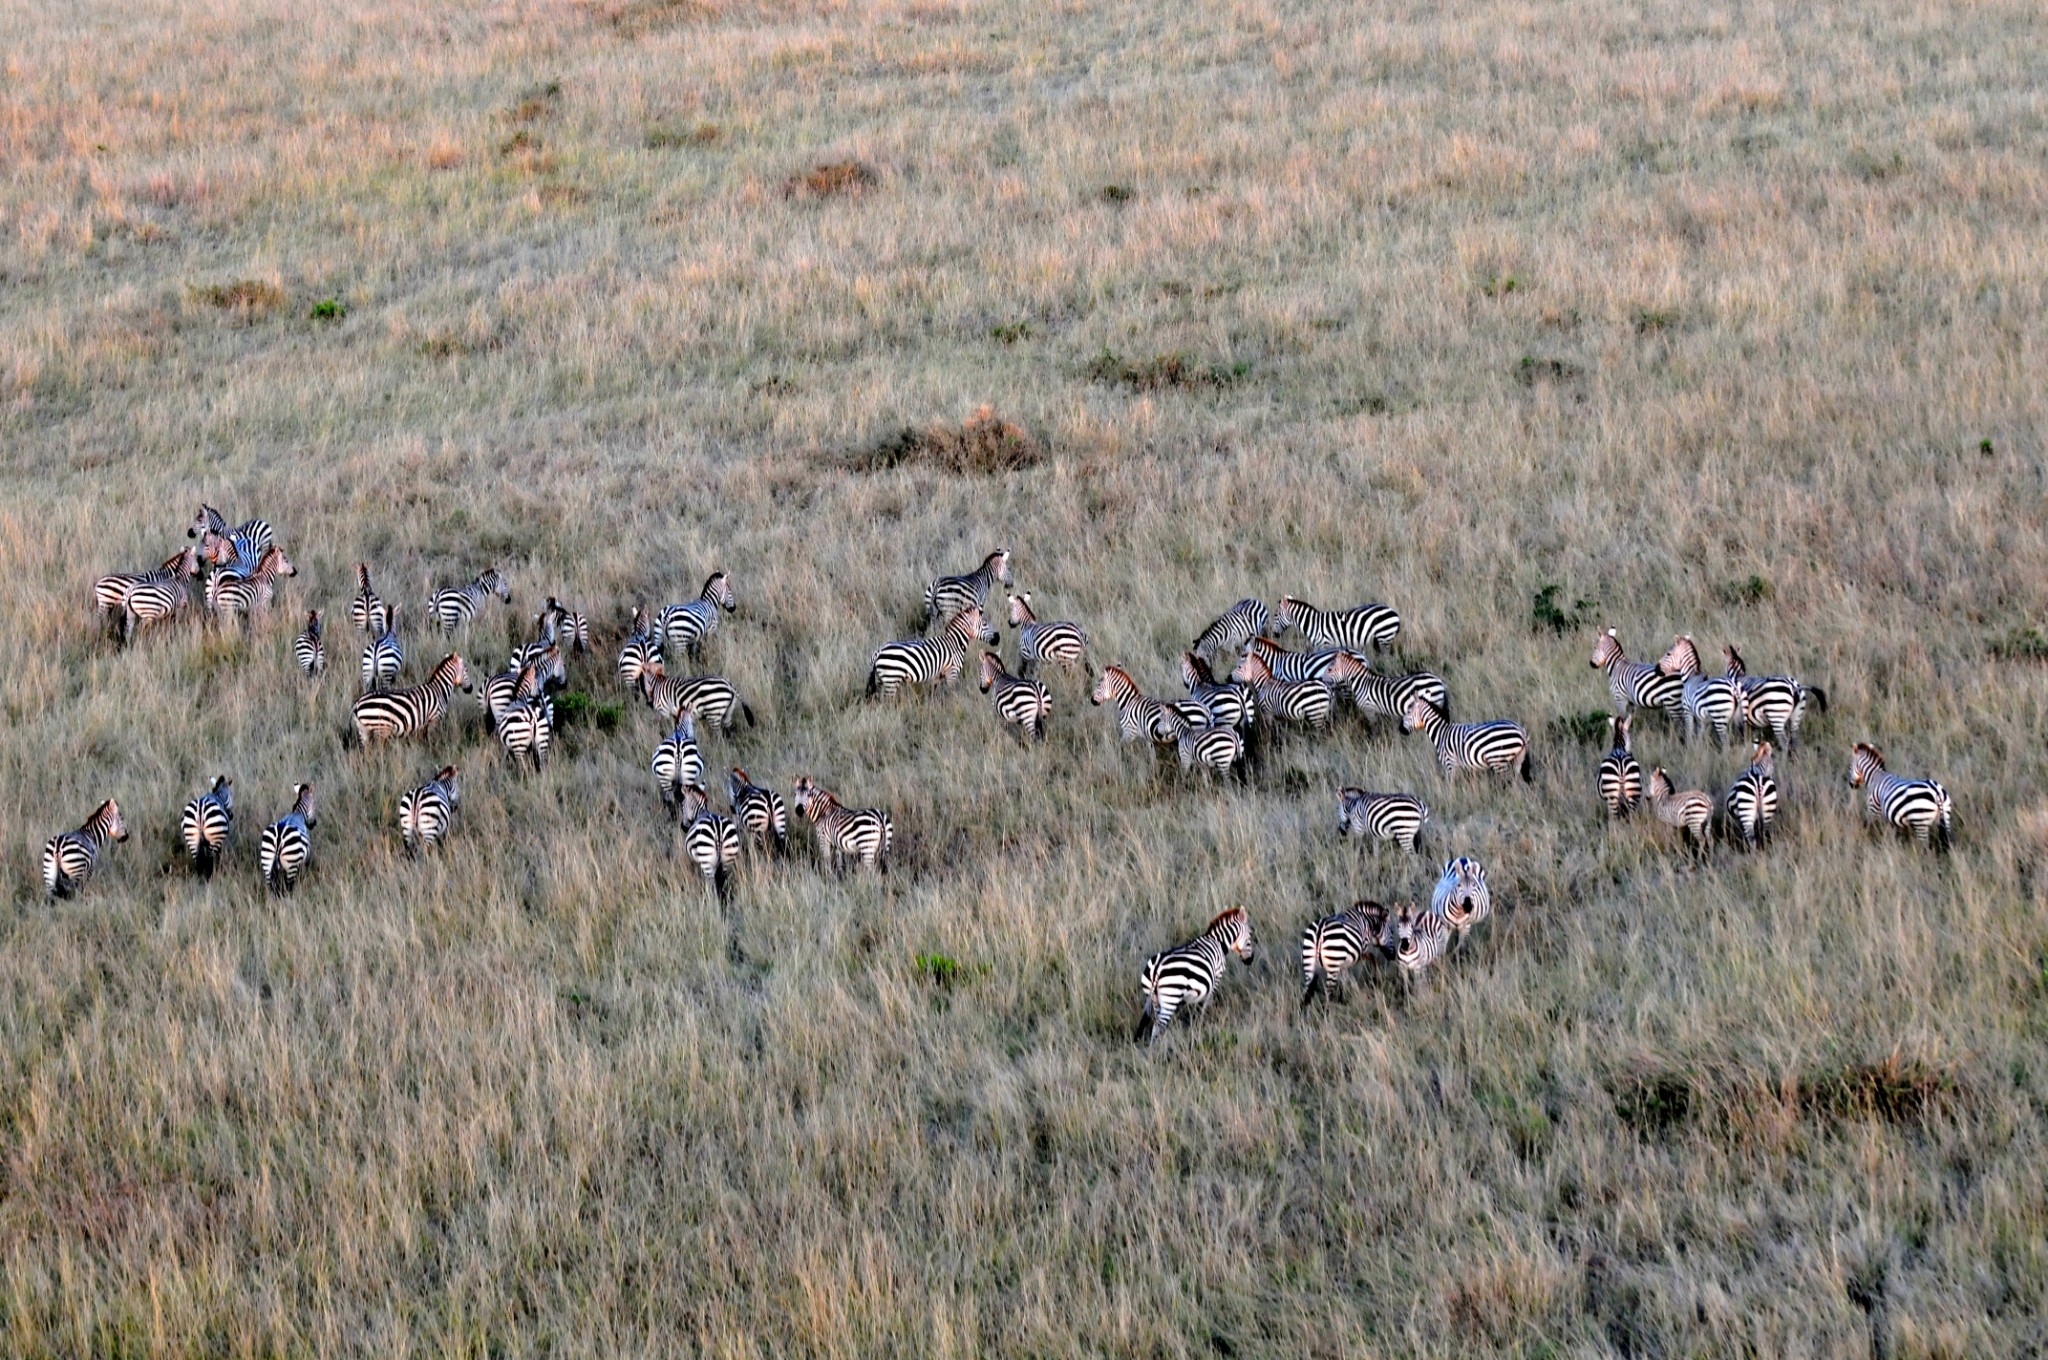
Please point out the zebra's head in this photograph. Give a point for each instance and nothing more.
(363, 578)
(1607, 650)
(998, 562)
(1233, 929)
(1253, 668)
(207, 520)
(1660, 784)
(1416, 714)
(108, 816)
(223, 791)
(185, 564)
(718, 590)
(1020, 610)
(303, 806)
(1864, 761)
(1617, 730)
(1682, 659)
(493, 581)
(991, 667)
(1347, 799)
(216, 550)
(1733, 661)
(736, 783)
(1346, 666)
(313, 624)
(455, 673)
(277, 562)
(450, 780)
(1762, 758)
(1113, 684)
(1288, 616)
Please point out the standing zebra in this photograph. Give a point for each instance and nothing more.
(1707, 701)
(384, 655)
(307, 648)
(677, 763)
(526, 728)
(286, 847)
(1497, 745)
(1462, 898)
(203, 826)
(760, 811)
(1321, 664)
(1230, 703)
(539, 674)
(1332, 944)
(1920, 806)
(1691, 811)
(367, 611)
(149, 604)
(1229, 631)
(1136, 715)
(1039, 643)
(712, 698)
(1373, 626)
(457, 605)
(110, 593)
(1396, 817)
(1621, 774)
(1752, 800)
(1024, 704)
(642, 649)
(1777, 702)
(230, 591)
(928, 661)
(1387, 696)
(557, 621)
(949, 595)
(1634, 684)
(683, 627)
(844, 833)
(425, 812)
(1188, 973)
(1312, 703)
(70, 856)
(710, 839)
(1415, 940)
(404, 712)
(249, 540)
(1200, 739)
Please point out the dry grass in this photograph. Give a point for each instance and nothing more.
(1776, 316)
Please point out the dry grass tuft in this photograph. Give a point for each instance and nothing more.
(983, 444)
(1894, 1089)
(1175, 371)
(247, 298)
(832, 179)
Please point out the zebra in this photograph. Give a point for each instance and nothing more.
(1229, 702)
(710, 839)
(1038, 643)
(557, 621)
(1331, 944)
(1634, 684)
(1137, 715)
(526, 728)
(384, 655)
(927, 661)
(367, 611)
(70, 857)
(1707, 701)
(110, 593)
(950, 595)
(528, 679)
(307, 648)
(1752, 800)
(1025, 704)
(204, 824)
(1920, 806)
(1359, 628)
(286, 847)
(404, 712)
(1415, 940)
(677, 763)
(149, 604)
(683, 627)
(1462, 898)
(1621, 774)
(1496, 745)
(1691, 811)
(1396, 817)
(1233, 628)
(1189, 972)
(249, 540)
(1310, 702)
(457, 605)
(1200, 739)
(642, 648)
(1316, 665)
(1387, 696)
(231, 591)
(760, 811)
(1777, 702)
(425, 812)
(844, 833)
(712, 698)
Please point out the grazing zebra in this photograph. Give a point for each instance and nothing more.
(1310, 702)
(1777, 702)
(683, 627)
(760, 812)
(1497, 745)
(526, 728)
(203, 826)
(1415, 940)
(249, 541)
(110, 593)
(1707, 701)
(1621, 774)
(1022, 703)
(149, 604)
(1136, 715)
(1230, 703)
(711, 839)
(1332, 944)
(307, 648)
(1233, 628)
(557, 621)
(1920, 806)
(677, 763)
(1462, 898)
(457, 605)
(927, 661)
(384, 655)
(1324, 664)
(287, 844)
(367, 611)
(232, 592)
(950, 595)
(712, 698)
(1691, 811)
(1039, 643)
(1396, 817)
(1387, 696)
(844, 833)
(1358, 628)
(404, 712)
(1200, 739)
(425, 812)
(1752, 799)
(541, 674)
(642, 648)
(1189, 972)
(1634, 684)
(70, 856)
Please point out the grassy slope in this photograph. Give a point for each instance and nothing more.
(540, 1092)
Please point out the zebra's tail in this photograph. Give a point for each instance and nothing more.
(746, 713)
(203, 861)
(1527, 776)
(1141, 1035)
(1818, 695)
(874, 682)
(1316, 982)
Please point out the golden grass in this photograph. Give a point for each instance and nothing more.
(1768, 371)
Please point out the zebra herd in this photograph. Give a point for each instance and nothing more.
(1219, 729)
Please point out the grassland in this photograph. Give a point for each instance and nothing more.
(1722, 318)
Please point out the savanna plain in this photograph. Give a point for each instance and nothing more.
(1528, 319)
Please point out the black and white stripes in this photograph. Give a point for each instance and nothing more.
(427, 810)
(286, 846)
(928, 661)
(1497, 745)
(204, 824)
(404, 712)
(70, 857)
(308, 651)
(1359, 628)
(845, 835)
(1188, 973)
(1024, 704)
(1920, 806)
(1397, 818)
(950, 595)
(457, 605)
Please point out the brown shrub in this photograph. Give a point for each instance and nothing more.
(831, 179)
(248, 297)
(1174, 370)
(983, 443)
